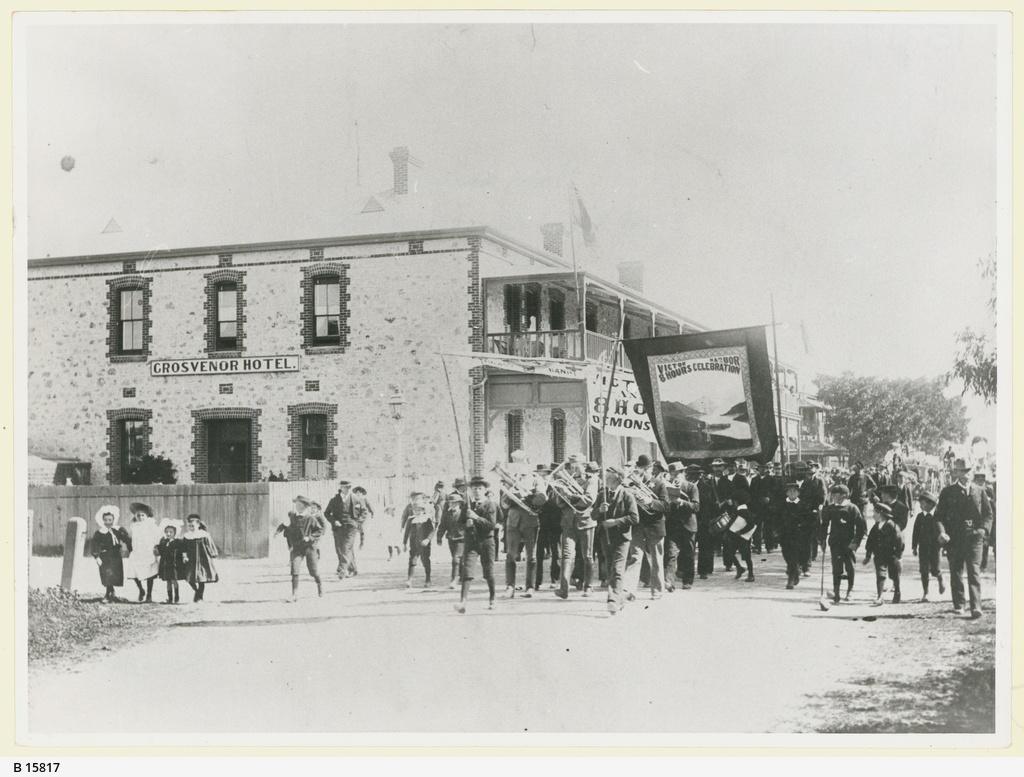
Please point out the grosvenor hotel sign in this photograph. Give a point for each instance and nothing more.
(171, 368)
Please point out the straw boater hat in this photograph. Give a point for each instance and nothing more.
(927, 496)
(302, 501)
(112, 509)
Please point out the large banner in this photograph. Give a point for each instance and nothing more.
(708, 394)
(627, 415)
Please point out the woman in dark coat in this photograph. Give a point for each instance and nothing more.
(110, 544)
(198, 553)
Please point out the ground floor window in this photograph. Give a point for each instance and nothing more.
(314, 446)
(558, 435)
(513, 432)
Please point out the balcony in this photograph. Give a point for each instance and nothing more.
(555, 344)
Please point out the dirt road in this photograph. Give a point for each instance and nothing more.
(373, 656)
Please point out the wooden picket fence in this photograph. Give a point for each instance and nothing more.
(241, 516)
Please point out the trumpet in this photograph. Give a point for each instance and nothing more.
(507, 485)
(643, 493)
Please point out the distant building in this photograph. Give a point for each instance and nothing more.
(804, 417)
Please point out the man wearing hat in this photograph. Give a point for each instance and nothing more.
(812, 496)
(648, 539)
(617, 510)
(981, 479)
(926, 543)
(680, 526)
(713, 490)
(889, 494)
(479, 517)
(842, 530)
(862, 486)
(451, 525)
(762, 500)
(549, 532)
(345, 525)
(522, 522)
(964, 510)
(577, 524)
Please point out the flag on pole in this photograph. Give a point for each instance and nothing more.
(581, 218)
(708, 394)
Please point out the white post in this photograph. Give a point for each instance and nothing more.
(74, 551)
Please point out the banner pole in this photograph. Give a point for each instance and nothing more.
(455, 416)
(608, 397)
(778, 392)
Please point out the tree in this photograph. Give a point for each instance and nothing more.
(869, 414)
(152, 469)
(975, 360)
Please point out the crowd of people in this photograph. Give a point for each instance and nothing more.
(645, 527)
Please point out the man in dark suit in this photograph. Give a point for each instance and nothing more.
(723, 485)
(618, 515)
(478, 517)
(707, 543)
(812, 496)
(965, 511)
(861, 486)
(900, 512)
(681, 525)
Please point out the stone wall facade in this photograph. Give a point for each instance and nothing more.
(406, 304)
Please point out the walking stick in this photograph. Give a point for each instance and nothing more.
(824, 604)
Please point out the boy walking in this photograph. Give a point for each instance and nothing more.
(478, 517)
(842, 529)
(793, 515)
(926, 543)
(885, 543)
(306, 525)
(418, 534)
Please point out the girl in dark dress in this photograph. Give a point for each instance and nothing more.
(110, 544)
(198, 553)
(169, 550)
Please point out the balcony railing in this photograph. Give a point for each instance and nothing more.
(556, 344)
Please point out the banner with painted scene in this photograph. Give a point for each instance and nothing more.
(708, 394)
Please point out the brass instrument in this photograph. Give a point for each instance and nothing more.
(566, 488)
(507, 484)
(643, 493)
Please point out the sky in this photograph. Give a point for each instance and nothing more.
(848, 170)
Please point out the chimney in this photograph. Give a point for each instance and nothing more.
(553, 237)
(631, 274)
(400, 159)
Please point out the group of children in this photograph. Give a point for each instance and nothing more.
(843, 527)
(171, 558)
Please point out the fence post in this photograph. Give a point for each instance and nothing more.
(74, 550)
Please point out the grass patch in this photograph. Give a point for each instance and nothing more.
(63, 626)
(959, 699)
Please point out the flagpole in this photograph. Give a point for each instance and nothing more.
(778, 392)
(455, 415)
(611, 384)
(581, 313)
